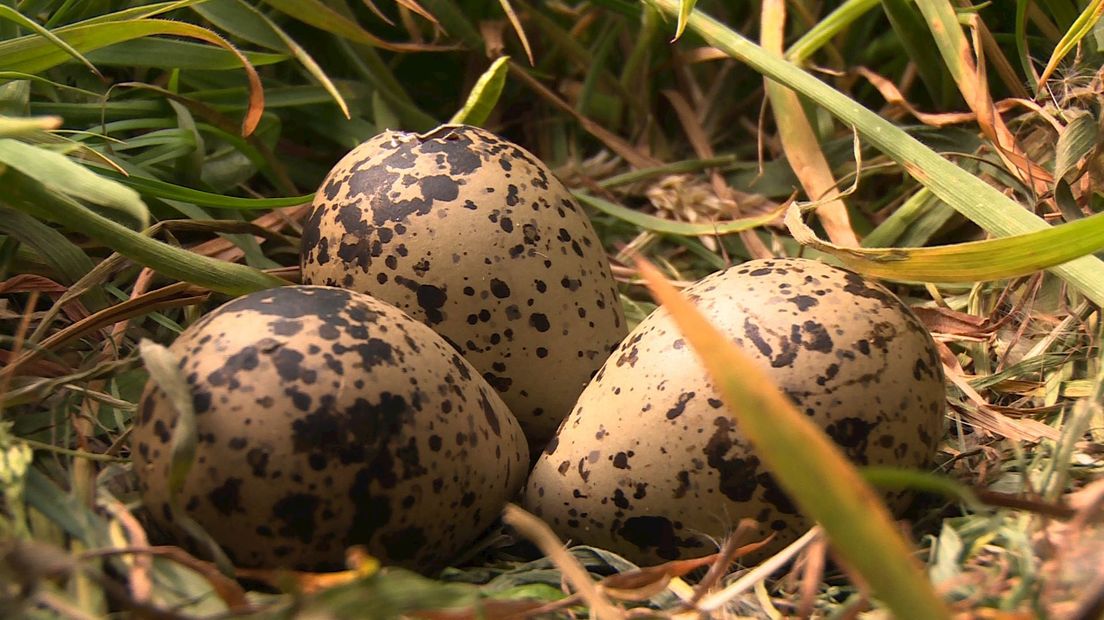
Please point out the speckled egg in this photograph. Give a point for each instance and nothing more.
(652, 464)
(327, 419)
(474, 236)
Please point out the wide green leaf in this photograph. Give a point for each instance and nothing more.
(978, 261)
(35, 54)
(64, 175)
(484, 95)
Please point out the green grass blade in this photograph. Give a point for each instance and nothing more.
(32, 54)
(456, 23)
(807, 464)
(11, 14)
(914, 223)
(139, 12)
(306, 60)
(232, 279)
(686, 7)
(977, 200)
(64, 175)
(914, 36)
(241, 20)
(672, 227)
(1063, 11)
(68, 262)
(827, 28)
(365, 61)
(170, 191)
(484, 95)
(164, 370)
(977, 261)
(318, 14)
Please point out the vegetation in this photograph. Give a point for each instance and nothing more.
(158, 157)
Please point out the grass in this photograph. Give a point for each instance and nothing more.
(155, 159)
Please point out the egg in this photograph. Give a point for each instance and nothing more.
(326, 419)
(476, 237)
(652, 464)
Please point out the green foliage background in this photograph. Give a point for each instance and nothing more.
(186, 137)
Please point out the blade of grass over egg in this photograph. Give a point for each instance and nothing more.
(663, 225)
(484, 95)
(969, 195)
(164, 370)
(976, 261)
(232, 279)
(809, 467)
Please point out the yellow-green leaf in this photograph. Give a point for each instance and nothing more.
(685, 8)
(976, 261)
(1081, 28)
(484, 95)
(809, 467)
(11, 127)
